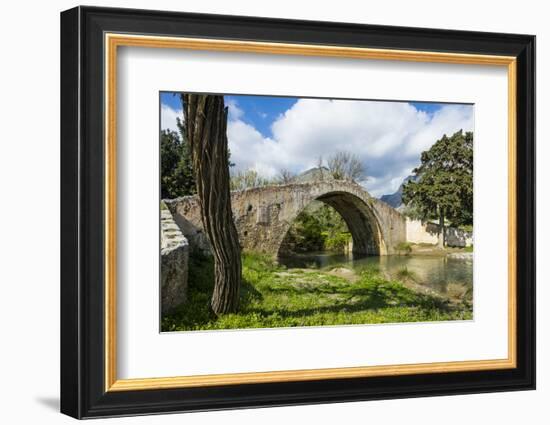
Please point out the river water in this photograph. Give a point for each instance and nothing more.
(437, 273)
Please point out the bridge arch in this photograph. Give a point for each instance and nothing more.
(359, 218)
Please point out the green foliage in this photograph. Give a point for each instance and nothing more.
(199, 293)
(272, 296)
(404, 248)
(176, 171)
(467, 227)
(334, 229)
(444, 188)
(305, 235)
(337, 242)
(319, 227)
(410, 210)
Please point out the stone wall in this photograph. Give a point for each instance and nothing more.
(174, 250)
(393, 223)
(186, 214)
(426, 232)
(458, 238)
(420, 232)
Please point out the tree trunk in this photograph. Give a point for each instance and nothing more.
(441, 240)
(206, 121)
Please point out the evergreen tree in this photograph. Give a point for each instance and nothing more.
(177, 177)
(444, 188)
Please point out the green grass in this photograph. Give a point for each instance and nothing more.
(272, 296)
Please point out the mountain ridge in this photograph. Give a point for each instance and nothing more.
(395, 199)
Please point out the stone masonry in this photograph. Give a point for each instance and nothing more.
(174, 263)
(426, 232)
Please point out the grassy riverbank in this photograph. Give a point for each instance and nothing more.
(273, 296)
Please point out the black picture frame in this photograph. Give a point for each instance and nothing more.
(83, 392)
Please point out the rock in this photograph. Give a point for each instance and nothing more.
(461, 255)
(345, 273)
(458, 237)
(342, 271)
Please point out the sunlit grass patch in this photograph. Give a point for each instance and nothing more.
(273, 296)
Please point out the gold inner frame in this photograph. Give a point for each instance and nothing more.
(113, 41)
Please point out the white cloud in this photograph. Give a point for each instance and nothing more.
(388, 137)
(168, 117)
(249, 149)
(235, 112)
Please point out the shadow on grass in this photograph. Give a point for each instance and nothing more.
(196, 312)
(268, 296)
(354, 300)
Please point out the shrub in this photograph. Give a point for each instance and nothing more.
(403, 248)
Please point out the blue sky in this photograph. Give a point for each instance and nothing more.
(269, 133)
(261, 111)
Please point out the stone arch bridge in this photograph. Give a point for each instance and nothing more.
(263, 216)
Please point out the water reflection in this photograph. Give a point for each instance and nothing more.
(435, 272)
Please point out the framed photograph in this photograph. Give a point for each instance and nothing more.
(261, 212)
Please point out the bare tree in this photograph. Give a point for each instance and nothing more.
(206, 124)
(286, 176)
(355, 169)
(346, 166)
(241, 180)
(337, 165)
(320, 167)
